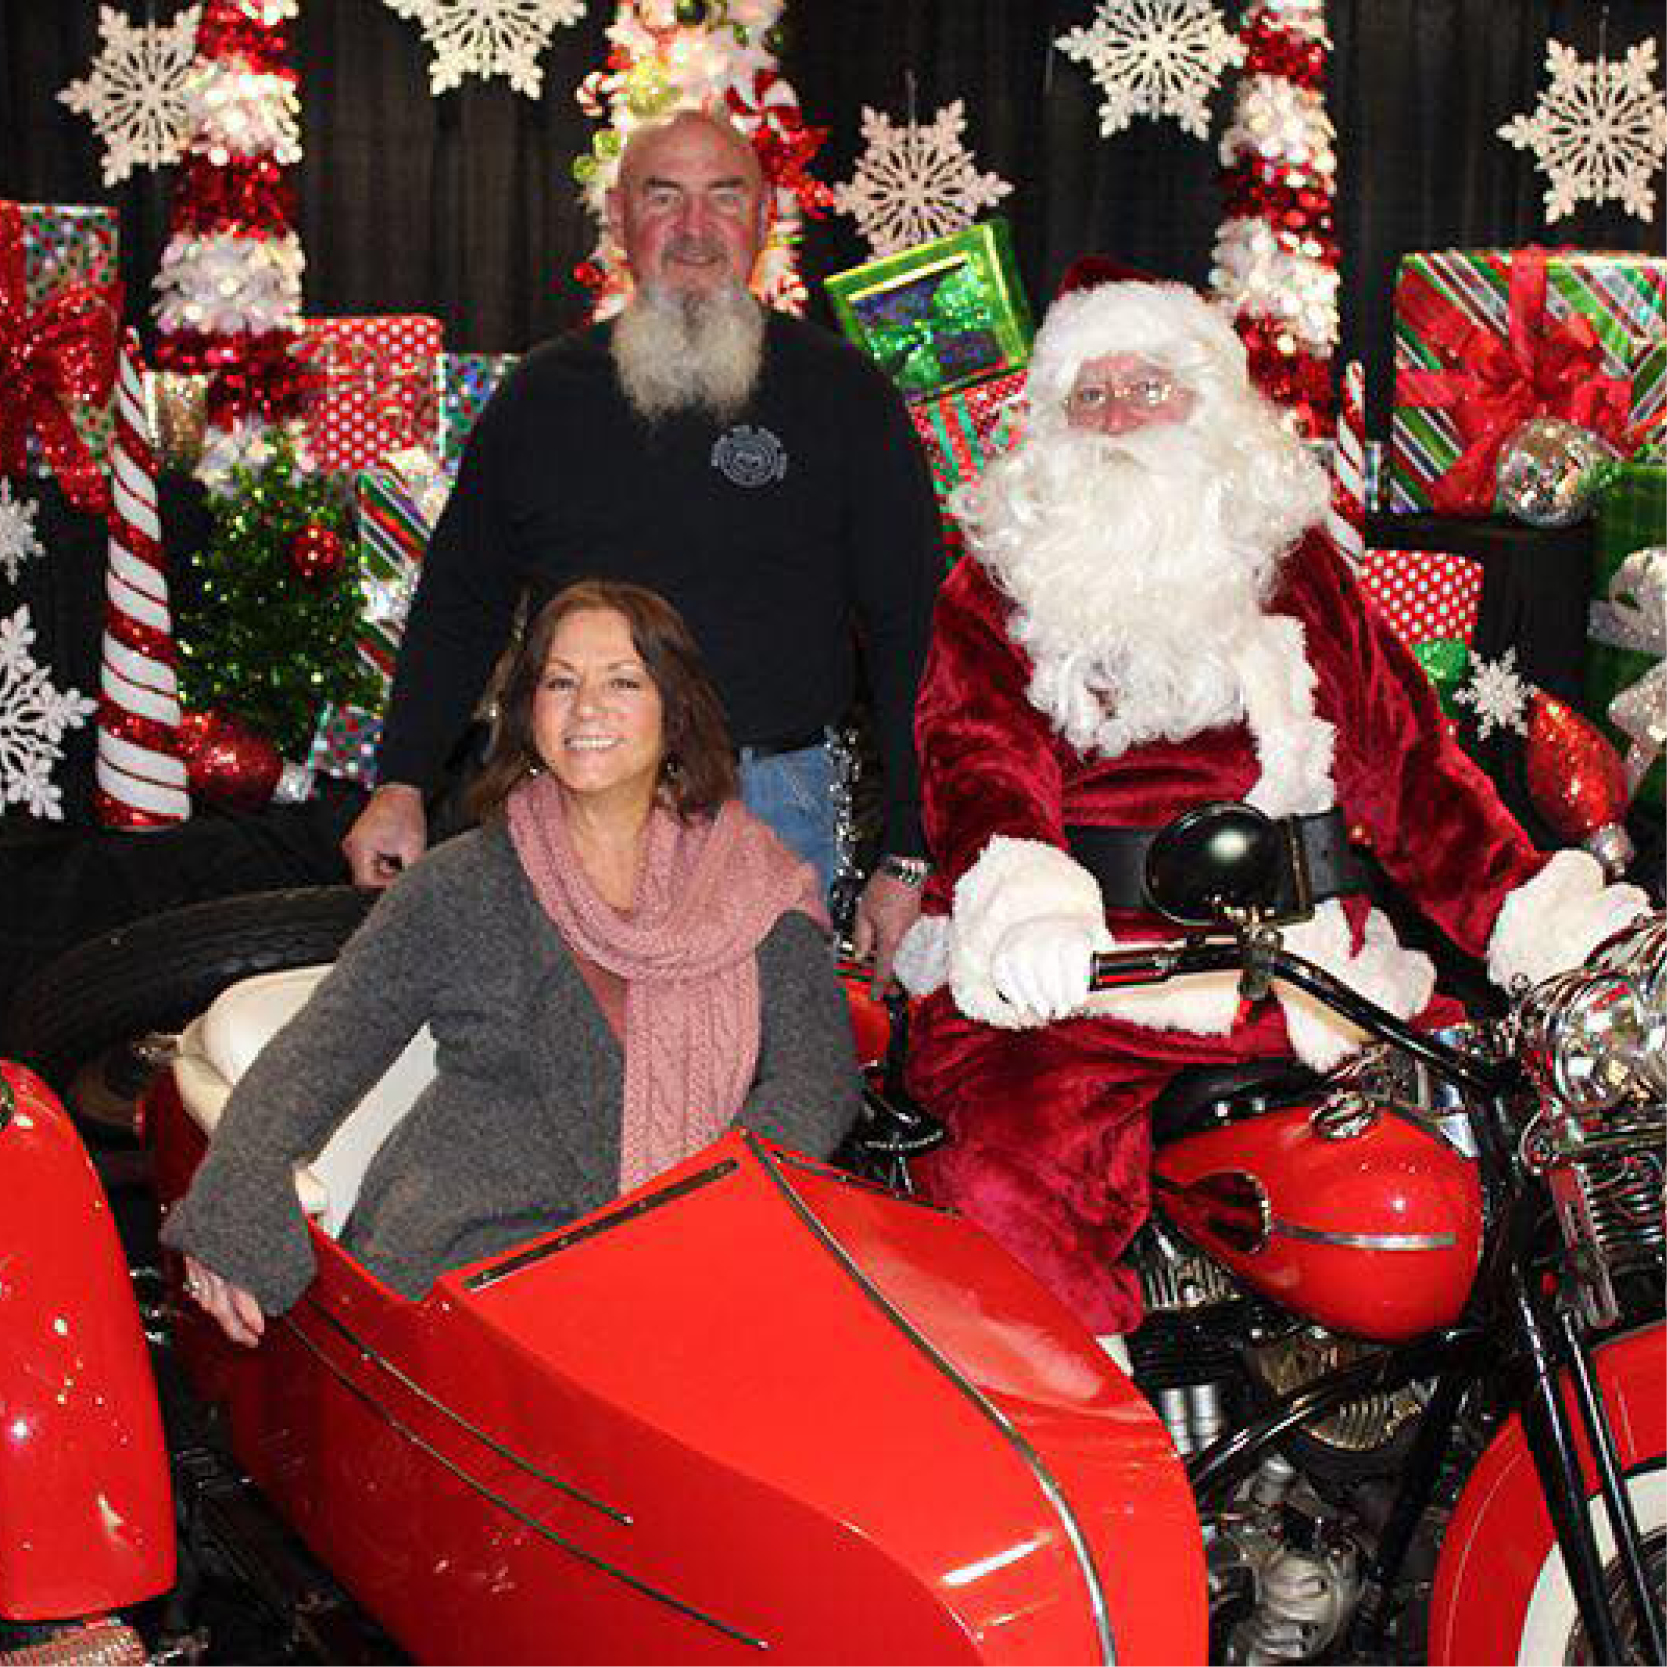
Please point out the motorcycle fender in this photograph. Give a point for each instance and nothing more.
(1500, 1537)
(86, 1508)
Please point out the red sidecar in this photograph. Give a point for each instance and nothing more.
(757, 1407)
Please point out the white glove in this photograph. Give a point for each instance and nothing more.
(1041, 967)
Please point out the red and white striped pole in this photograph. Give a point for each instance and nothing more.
(140, 775)
(1347, 521)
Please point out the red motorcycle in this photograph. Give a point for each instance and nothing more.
(1402, 1393)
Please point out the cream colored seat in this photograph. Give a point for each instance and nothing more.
(217, 1047)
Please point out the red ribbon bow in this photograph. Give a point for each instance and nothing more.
(1539, 368)
(53, 358)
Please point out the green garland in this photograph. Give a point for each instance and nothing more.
(257, 639)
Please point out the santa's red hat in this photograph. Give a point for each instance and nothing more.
(1090, 271)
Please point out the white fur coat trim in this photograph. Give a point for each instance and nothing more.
(1013, 880)
(1557, 919)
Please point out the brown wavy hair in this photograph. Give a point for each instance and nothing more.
(699, 773)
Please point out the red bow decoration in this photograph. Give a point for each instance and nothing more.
(53, 358)
(1540, 368)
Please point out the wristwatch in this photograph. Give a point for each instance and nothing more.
(912, 871)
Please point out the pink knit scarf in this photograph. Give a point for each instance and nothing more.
(707, 894)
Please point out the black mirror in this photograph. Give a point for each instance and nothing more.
(1217, 858)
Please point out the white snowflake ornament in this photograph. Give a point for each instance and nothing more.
(915, 182)
(1154, 58)
(1598, 133)
(17, 531)
(488, 37)
(1498, 694)
(34, 717)
(135, 95)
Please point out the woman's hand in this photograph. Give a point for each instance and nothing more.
(238, 1314)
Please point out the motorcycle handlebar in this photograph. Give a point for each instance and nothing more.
(1160, 962)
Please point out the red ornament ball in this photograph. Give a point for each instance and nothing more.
(228, 764)
(316, 553)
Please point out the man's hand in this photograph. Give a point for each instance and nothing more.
(1043, 967)
(390, 834)
(885, 911)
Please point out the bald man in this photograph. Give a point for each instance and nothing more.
(758, 472)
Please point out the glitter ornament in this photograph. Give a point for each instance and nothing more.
(1550, 470)
(1578, 781)
(232, 766)
(316, 553)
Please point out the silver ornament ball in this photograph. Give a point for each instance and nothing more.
(1550, 470)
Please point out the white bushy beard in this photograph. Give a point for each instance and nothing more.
(681, 350)
(1140, 563)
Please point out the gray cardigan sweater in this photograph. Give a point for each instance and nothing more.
(519, 1130)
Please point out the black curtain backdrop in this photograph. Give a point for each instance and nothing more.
(463, 205)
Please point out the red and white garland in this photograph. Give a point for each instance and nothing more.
(1276, 251)
(140, 776)
(671, 55)
(228, 290)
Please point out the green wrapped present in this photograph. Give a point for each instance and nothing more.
(1487, 338)
(939, 315)
(1626, 674)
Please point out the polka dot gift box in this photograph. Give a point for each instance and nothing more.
(376, 391)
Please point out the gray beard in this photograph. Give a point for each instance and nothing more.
(689, 352)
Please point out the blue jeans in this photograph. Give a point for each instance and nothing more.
(793, 793)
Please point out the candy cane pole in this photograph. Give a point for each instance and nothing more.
(140, 777)
(1347, 521)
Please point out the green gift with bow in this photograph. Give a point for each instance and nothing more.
(940, 315)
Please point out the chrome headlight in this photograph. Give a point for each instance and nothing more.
(1639, 953)
(1586, 1038)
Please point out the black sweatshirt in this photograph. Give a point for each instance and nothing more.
(774, 536)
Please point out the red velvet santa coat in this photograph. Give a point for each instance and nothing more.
(1050, 1144)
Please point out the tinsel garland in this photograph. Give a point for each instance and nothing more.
(671, 55)
(228, 287)
(258, 639)
(1276, 253)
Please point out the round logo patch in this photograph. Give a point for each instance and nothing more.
(749, 456)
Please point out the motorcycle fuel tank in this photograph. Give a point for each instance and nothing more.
(1375, 1233)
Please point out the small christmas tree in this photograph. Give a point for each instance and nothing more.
(268, 633)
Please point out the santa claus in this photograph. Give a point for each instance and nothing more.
(1151, 619)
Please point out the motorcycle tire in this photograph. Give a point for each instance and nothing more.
(157, 973)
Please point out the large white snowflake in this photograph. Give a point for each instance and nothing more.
(1154, 58)
(1498, 695)
(488, 37)
(135, 95)
(915, 182)
(17, 531)
(1599, 132)
(34, 717)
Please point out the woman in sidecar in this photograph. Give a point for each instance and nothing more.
(620, 963)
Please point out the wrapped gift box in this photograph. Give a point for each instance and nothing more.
(467, 382)
(63, 244)
(960, 432)
(376, 387)
(67, 243)
(1485, 339)
(1626, 673)
(939, 315)
(1426, 595)
(397, 508)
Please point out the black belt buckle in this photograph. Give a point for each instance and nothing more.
(1301, 880)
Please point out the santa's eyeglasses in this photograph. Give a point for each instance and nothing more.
(1139, 393)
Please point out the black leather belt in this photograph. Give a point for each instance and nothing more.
(789, 743)
(1116, 857)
